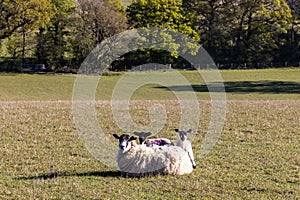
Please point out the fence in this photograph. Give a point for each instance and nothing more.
(16, 65)
(257, 65)
(155, 67)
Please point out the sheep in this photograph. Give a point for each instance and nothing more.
(151, 142)
(140, 160)
(185, 144)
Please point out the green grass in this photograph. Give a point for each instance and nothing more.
(267, 84)
(15, 87)
(256, 157)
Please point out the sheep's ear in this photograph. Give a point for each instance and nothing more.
(176, 130)
(143, 135)
(116, 136)
(189, 131)
(132, 138)
(148, 134)
(140, 134)
(136, 133)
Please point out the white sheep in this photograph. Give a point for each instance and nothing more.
(185, 144)
(143, 138)
(140, 160)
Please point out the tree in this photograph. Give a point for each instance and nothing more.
(211, 20)
(243, 31)
(17, 49)
(165, 14)
(102, 17)
(28, 14)
(96, 21)
(263, 22)
(161, 13)
(290, 51)
(53, 38)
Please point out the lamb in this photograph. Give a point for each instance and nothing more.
(185, 144)
(152, 142)
(140, 160)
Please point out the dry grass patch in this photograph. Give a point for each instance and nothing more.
(256, 157)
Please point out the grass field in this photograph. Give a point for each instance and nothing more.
(268, 84)
(256, 157)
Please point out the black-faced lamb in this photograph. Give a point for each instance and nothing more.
(185, 144)
(143, 138)
(140, 160)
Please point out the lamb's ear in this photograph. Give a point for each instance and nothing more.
(136, 133)
(148, 134)
(116, 136)
(142, 134)
(176, 130)
(132, 138)
(189, 131)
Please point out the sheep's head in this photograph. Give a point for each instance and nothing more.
(124, 141)
(183, 133)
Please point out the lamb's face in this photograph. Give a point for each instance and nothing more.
(183, 134)
(124, 141)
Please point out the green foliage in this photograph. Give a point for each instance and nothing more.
(164, 14)
(241, 31)
(116, 5)
(53, 39)
(64, 32)
(20, 45)
(95, 21)
(160, 13)
(290, 49)
(265, 22)
(27, 15)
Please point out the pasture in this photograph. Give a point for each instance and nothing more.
(256, 156)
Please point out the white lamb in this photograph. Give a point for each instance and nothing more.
(140, 160)
(143, 138)
(185, 144)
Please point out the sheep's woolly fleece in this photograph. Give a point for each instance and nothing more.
(142, 160)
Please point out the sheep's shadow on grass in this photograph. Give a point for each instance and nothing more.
(111, 174)
(54, 175)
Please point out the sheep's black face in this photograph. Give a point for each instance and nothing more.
(124, 141)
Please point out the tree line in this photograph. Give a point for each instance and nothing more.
(60, 33)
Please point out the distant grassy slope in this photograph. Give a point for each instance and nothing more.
(35, 87)
(240, 84)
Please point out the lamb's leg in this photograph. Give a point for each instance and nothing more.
(191, 155)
